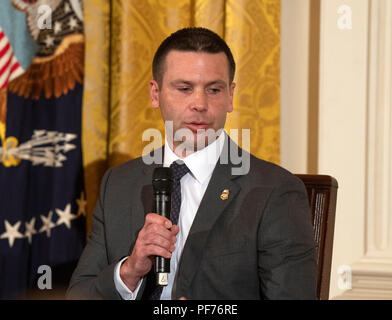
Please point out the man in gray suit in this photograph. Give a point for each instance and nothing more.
(242, 233)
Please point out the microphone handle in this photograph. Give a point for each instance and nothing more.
(162, 265)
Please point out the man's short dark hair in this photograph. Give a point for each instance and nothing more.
(191, 40)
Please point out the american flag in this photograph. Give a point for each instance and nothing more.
(42, 202)
(9, 66)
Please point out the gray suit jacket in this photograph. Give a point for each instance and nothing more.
(257, 244)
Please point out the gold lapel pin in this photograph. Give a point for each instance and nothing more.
(225, 194)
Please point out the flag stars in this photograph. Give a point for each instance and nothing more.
(47, 224)
(57, 27)
(82, 203)
(49, 41)
(30, 231)
(11, 232)
(72, 23)
(67, 8)
(65, 216)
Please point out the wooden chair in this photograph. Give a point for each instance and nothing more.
(322, 193)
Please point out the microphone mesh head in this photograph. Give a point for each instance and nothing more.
(162, 180)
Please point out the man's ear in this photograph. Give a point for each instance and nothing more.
(231, 92)
(154, 94)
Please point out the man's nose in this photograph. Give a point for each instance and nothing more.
(199, 102)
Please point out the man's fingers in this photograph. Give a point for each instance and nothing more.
(175, 229)
(153, 250)
(160, 225)
(160, 241)
(153, 218)
(157, 237)
(156, 230)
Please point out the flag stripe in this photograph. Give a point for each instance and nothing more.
(4, 59)
(3, 80)
(9, 66)
(3, 42)
(5, 66)
(15, 65)
(14, 70)
(5, 49)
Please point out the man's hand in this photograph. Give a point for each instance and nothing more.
(154, 239)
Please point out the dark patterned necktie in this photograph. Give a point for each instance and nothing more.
(179, 170)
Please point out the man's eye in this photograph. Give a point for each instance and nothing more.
(184, 89)
(214, 90)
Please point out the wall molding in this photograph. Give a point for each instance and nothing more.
(371, 276)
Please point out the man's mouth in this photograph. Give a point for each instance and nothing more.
(196, 125)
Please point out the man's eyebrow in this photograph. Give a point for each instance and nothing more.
(221, 82)
(182, 81)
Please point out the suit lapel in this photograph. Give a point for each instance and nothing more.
(210, 209)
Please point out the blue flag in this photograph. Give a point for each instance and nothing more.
(42, 199)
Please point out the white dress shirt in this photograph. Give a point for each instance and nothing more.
(193, 186)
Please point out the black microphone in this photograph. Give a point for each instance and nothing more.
(162, 183)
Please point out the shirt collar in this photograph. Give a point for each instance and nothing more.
(201, 163)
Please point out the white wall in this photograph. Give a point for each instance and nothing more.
(294, 84)
(342, 124)
(354, 138)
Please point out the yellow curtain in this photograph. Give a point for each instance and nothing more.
(121, 38)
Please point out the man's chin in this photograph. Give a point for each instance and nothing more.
(196, 141)
(187, 141)
(190, 145)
